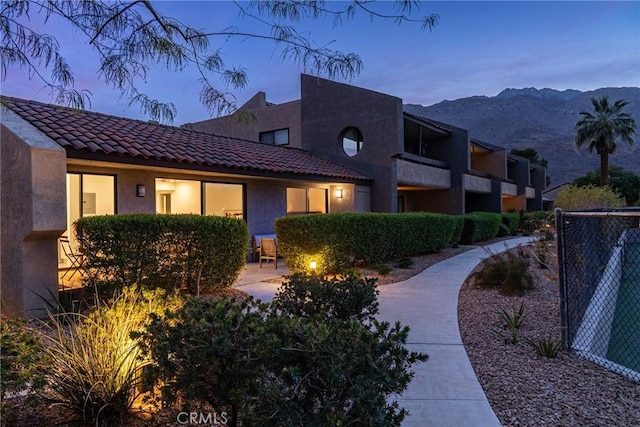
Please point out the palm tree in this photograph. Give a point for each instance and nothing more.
(599, 131)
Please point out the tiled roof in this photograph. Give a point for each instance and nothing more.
(117, 136)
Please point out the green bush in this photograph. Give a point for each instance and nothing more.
(165, 251)
(503, 231)
(21, 363)
(351, 297)
(290, 363)
(512, 221)
(97, 364)
(456, 233)
(338, 242)
(590, 197)
(479, 227)
(507, 272)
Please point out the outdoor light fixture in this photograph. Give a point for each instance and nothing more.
(313, 265)
(339, 193)
(141, 191)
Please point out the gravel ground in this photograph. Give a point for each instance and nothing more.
(527, 390)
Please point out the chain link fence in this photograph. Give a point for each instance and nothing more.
(599, 269)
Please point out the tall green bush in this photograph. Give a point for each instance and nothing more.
(338, 242)
(480, 226)
(166, 251)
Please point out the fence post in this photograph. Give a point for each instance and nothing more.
(562, 279)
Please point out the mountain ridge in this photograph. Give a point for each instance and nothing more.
(542, 119)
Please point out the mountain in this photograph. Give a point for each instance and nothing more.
(542, 119)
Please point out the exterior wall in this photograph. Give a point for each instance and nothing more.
(516, 203)
(456, 153)
(538, 181)
(264, 118)
(489, 202)
(265, 199)
(493, 163)
(33, 216)
(439, 201)
(328, 108)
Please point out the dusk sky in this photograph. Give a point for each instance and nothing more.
(478, 48)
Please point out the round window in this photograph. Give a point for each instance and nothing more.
(351, 141)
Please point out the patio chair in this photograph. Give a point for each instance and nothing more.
(76, 259)
(269, 251)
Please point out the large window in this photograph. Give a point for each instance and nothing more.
(275, 137)
(178, 196)
(181, 196)
(224, 199)
(306, 200)
(87, 195)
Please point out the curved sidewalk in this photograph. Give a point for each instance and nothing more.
(444, 391)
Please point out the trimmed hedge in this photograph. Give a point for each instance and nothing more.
(340, 241)
(512, 221)
(163, 251)
(479, 226)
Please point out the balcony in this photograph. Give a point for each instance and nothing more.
(530, 192)
(427, 174)
(477, 182)
(509, 189)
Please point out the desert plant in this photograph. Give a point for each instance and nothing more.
(96, 363)
(512, 321)
(22, 362)
(546, 347)
(383, 269)
(404, 263)
(507, 272)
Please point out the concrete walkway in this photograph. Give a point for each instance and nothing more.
(444, 391)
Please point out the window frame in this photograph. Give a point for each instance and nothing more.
(359, 141)
(307, 200)
(262, 137)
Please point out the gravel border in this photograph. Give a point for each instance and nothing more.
(527, 390)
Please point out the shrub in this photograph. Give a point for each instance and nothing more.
(167, 251)
(478, 227)
(590, 197)
(96, 363)
(21, 363)
(547, 347)
(404, 263)
(512, 321)
(289, 363)
(351, 297)
(338, 242)
(503, 230)
(512, 221)
(507, 272)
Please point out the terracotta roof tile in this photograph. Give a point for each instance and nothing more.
(95, 132)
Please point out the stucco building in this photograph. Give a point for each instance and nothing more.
(416, 164)
(339, 148)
